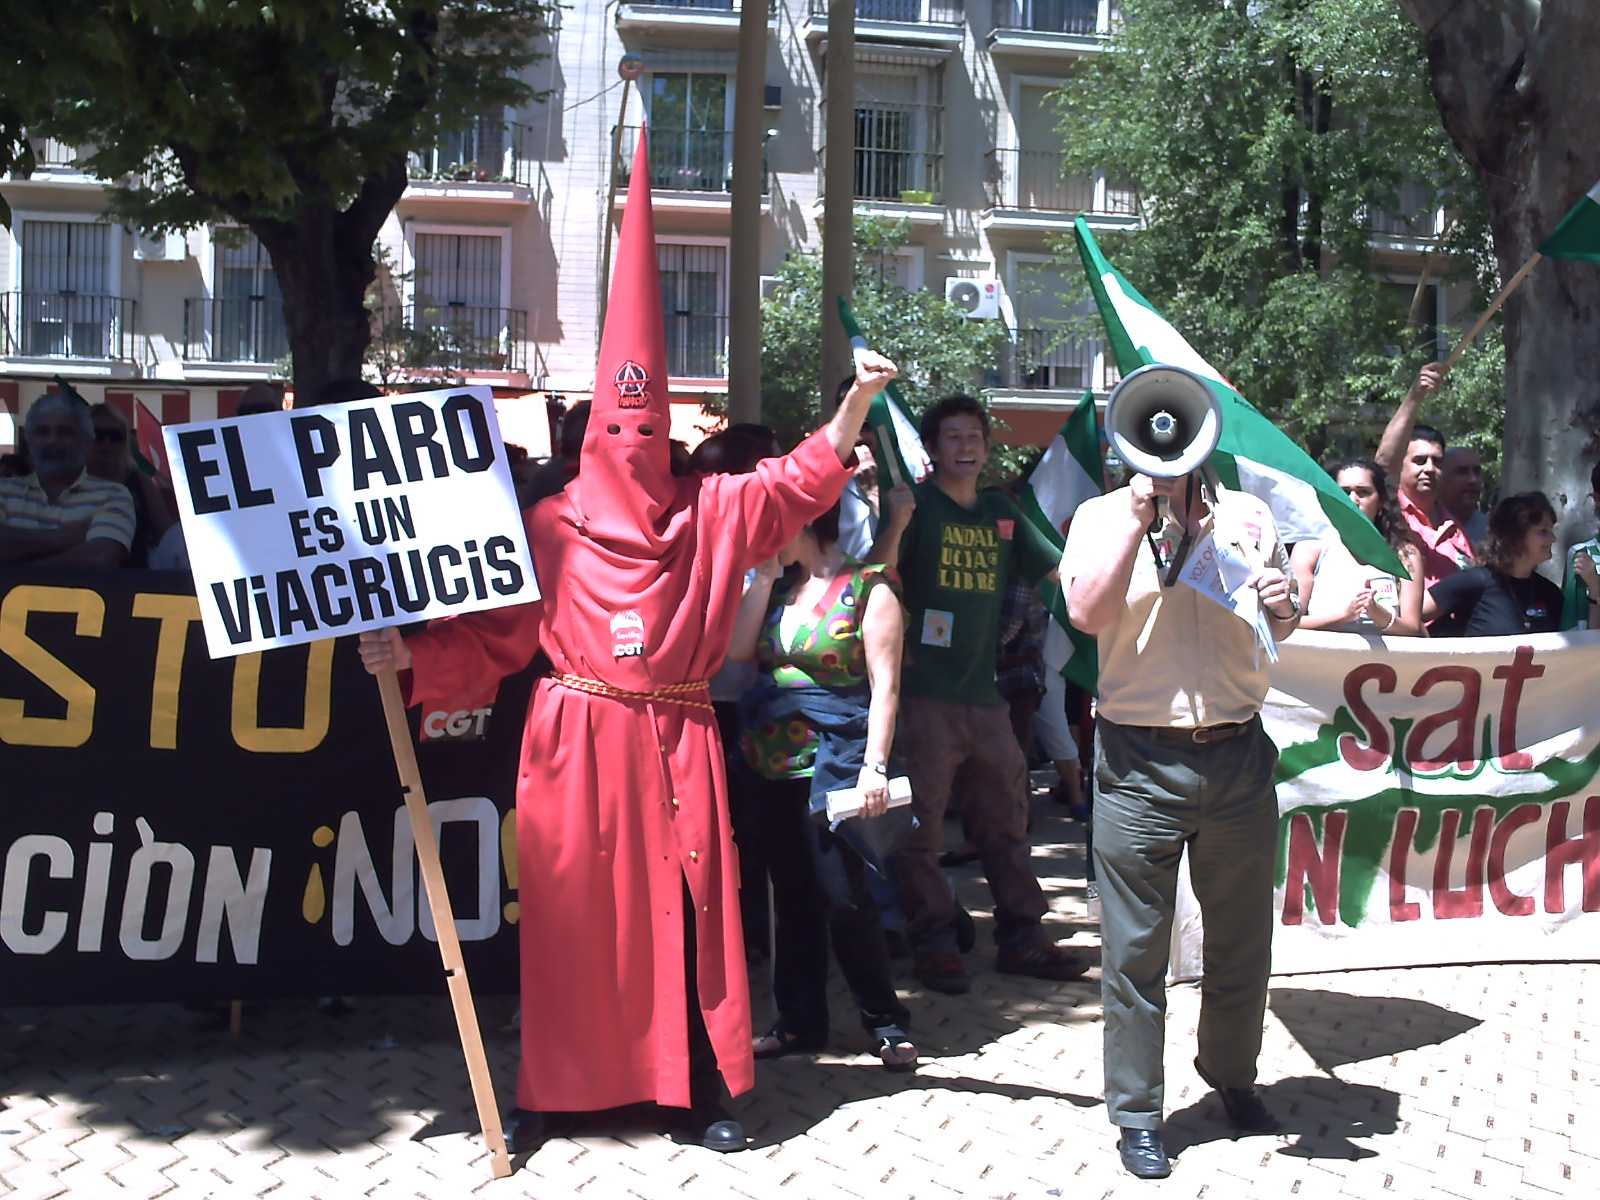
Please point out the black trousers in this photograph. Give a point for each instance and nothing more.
(820, 895)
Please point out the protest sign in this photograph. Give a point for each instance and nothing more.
(1438, 802)
(347, 517)
(189, 827)
(182, 827)
(314, 522)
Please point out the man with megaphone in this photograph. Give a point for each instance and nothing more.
(1185, 586)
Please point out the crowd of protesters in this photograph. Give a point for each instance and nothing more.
(900, 636)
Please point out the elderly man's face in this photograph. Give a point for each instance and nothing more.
(1460, 484)
(56, 444)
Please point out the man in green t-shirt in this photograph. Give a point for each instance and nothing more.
(1581, 586)
(956, 556)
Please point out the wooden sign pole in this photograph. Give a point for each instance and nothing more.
(444, 923)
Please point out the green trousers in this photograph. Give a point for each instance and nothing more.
(1155, 796)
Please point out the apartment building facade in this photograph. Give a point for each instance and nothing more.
(494, 260)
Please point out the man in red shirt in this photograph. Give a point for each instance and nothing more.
(1416, 454)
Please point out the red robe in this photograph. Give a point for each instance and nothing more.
(620, 801)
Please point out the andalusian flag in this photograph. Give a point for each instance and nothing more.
(1254, 455)
(900, 454)
(151, 446)
(1070, 472)
(1578, 235)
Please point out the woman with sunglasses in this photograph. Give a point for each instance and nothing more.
(1342, 594)
(111, 458)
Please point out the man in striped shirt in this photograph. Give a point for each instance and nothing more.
(61, 514)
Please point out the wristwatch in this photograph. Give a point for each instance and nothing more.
(1294, 608)
(877, 768)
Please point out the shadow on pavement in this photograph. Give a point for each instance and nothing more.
(785, 1107)
(1320, 1116)
(296, 1077)
(1337, 1028)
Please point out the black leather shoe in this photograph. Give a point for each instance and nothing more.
(711, 1125)
(528, 1132)
(724, 1136)
(1143, 1155)
(1245, 1111)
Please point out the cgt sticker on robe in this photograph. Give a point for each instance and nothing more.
(627, 635)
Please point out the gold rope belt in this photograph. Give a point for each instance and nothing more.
(672, 693)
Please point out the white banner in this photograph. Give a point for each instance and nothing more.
(322, 521)
(1438, 802)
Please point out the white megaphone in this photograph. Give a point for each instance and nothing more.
(1163, 421)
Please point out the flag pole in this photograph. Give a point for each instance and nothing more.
(444, 922)
(1510, 287)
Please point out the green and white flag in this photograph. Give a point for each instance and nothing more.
(1254, 455)
(900, 453)
(1575, 597)
(1069, 473)
(1578, 235)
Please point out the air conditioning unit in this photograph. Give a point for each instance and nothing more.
(160, 247)
(978, 298)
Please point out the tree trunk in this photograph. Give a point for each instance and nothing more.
(1518, 90)
(1319, 120)
(324, 264)
(1289, 192)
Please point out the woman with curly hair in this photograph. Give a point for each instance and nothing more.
(1505, 595)
(1340, 593)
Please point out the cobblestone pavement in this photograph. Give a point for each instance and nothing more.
(1428, 1082)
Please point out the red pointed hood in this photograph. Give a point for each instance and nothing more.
(625, 484)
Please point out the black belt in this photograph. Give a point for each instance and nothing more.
(1199, 734)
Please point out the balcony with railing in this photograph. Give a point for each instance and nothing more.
(1026, 189)
(1067, 27)
(926, 22)
(716, 20)
(1045, 360)
(889, 176)
(54, 159)
(459, 339)
(234, 329)
(909, 176)
(909, 12)
(682, 160)
(489, 160)
(66, 325)
(701, 20)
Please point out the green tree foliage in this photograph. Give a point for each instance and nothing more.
(938, 349)
(1261, 136)
(291, 118)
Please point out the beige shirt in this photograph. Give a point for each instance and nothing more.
(1173, 657)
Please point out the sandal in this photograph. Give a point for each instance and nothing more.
(781, 1042)
(895, 1049)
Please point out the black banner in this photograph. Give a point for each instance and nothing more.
(173, 826)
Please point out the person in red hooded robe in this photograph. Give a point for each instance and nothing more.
(633, 975)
